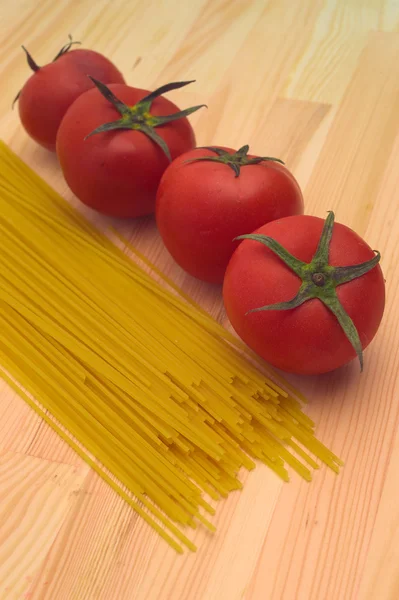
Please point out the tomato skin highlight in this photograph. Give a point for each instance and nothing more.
(50, 91)
(201, 207)
(307, 339)
(117, 172)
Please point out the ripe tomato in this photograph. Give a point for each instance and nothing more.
(51, 89)
(321, 324)
(202, 205)
(117, 170)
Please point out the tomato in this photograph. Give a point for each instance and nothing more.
(207, 197)
(306, 318)
(117, 171)
(51, 89)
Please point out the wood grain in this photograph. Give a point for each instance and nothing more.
(351, 164)
(383, 555)
(334, 46)
(316, 83)
(35, 498)
(16, 416)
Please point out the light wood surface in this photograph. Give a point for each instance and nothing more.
(315, 82)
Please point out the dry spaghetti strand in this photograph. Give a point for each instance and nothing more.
(141, 382)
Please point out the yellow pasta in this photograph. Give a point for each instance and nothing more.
(158, 398)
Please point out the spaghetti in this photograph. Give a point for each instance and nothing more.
(151, 392)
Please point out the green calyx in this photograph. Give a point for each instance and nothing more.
(35, 67)
(66, 48)
(235, 161)
(319, 280)
(138, 117)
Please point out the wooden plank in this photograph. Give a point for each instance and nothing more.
(259, 72)
(380, 570)
(288, 130)
(86, 545)
(348, 172)
(325, 69)
(35, 498)
(18, 424)
(211, 45)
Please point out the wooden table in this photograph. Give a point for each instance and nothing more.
(317, 84)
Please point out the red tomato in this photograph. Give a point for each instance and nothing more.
(202, 206)
(51, 89)
(118, 172)
(307, 339)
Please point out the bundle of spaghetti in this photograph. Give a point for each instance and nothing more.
(149, 388)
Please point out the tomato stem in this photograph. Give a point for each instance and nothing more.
(234, 160)
(319, 279)
(138, 117)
